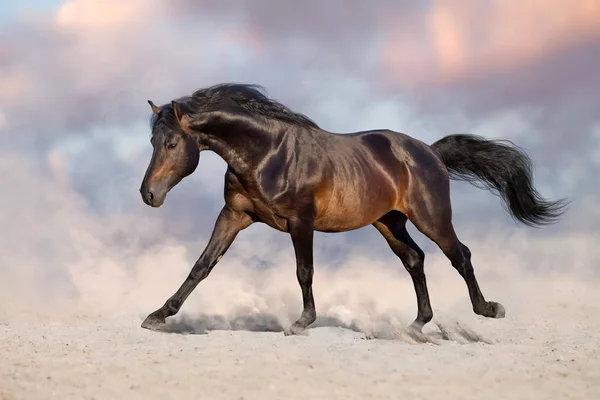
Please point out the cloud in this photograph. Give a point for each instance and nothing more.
(467, 38)
(86, 15)
(92, 63)
(310, 20)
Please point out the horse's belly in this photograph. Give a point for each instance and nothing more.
(340, 224)
(349, 211)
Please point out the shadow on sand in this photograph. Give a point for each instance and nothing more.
(201, 324)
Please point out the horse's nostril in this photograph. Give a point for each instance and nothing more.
(150, 196)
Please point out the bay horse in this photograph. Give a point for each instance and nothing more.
(285, 171)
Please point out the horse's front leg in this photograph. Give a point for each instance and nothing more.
(302, 234)
(228, 225)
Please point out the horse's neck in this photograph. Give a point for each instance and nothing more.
(240, 148)
(235, 158)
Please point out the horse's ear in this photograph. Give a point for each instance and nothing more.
(177, 110)
(155, 109)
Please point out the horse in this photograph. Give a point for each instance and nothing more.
(283, 170)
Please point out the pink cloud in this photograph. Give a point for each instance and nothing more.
(84, 14)
(468, 37)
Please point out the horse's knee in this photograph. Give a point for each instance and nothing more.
(459, 255)
(466, 251)
(463, 265)
(414, 261)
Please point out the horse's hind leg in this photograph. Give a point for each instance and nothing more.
(433, 217)
(393, 228)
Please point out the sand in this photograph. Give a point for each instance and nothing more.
(547, 349)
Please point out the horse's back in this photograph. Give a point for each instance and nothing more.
(397, 167)
(371, 172)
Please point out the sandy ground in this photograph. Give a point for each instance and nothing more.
(227, 343)
(552, 356)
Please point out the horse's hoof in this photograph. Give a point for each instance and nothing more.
(295, 330)
(153, 323)
(498, 310)
(416, 326)
(415, 332)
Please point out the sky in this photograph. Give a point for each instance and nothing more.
(75, 76)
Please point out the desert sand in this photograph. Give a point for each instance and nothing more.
(546, 347)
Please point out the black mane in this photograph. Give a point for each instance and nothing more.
(250, 97)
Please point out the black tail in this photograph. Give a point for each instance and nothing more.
(503, 168)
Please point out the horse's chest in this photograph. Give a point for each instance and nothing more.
(271, 204)
(269, 215)
(266, 208)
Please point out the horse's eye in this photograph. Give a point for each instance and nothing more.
(171, 146)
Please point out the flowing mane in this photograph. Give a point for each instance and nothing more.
(249, 97)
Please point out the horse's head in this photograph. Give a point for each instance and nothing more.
(175, 156)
